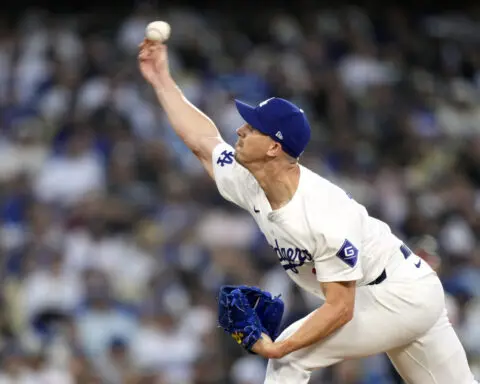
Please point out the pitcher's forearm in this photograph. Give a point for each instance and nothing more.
(190, 124)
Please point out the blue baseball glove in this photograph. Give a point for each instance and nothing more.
(246, 312)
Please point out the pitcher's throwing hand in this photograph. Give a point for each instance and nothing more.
(153, 60)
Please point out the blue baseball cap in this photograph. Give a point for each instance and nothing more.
(280, 119)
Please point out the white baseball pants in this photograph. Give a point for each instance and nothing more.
(404, 316)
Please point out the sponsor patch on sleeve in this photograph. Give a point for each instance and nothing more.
(348, 253)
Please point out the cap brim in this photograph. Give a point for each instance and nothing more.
(249, 114)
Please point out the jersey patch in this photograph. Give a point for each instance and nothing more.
(348, 253)
(226, 157)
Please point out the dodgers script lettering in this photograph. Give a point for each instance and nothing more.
(292, 258)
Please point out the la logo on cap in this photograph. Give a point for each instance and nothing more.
(279, 135)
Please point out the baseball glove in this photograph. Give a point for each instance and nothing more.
(247, 312)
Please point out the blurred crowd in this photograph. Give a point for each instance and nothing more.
(114, 242)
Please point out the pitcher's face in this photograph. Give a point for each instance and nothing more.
(252, 145)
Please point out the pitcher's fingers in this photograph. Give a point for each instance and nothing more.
(144, 54)
(143, 44)
(147, 43)
(155, 44)
(158, 48)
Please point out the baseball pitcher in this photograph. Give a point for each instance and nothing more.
(378, 295)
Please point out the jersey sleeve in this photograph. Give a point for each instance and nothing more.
(234, 182)
(338, 238)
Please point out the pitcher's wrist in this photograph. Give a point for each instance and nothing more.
(164, 82)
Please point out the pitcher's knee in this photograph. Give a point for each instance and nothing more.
(283, 371)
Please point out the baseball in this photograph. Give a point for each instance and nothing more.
(158, 31)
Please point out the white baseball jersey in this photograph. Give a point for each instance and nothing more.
(323, 235)
(320, 235)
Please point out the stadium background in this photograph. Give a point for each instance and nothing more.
(113, 240)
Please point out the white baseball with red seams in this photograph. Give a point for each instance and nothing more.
(158, 31)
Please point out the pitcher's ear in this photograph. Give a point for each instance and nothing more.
(275, 149)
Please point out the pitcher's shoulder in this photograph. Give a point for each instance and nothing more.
(320, 189)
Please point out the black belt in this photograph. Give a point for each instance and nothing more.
(379, 279)
(406, 252)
